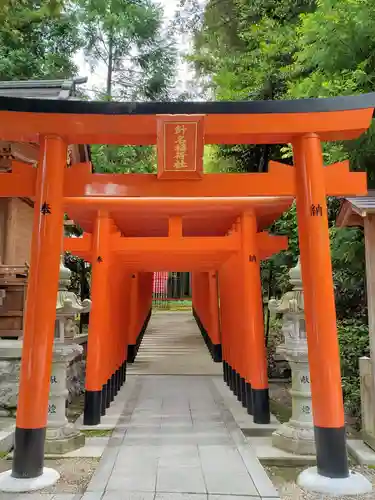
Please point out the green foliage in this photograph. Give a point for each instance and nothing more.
(274, 340)
(126, 37)
(38, 39)
(172, 305)
(243, 49)
(349, 271)
(123, 159)
(280, 263)
(336, 44)
(214, 163)
(354, 343)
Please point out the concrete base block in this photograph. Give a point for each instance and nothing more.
(6, 439)
(11, 484)
(268, 454)
(369, 440)
(7, 427)
(361, 453)
(64, 445)
(93, 448)
(355, 484)
(295, 439)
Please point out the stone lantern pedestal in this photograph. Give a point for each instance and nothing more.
(61, 436)
(297, 435)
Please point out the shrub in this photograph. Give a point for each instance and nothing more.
(276, 369)
(354, 343)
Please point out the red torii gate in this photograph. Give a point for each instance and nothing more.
(142, 254)
(118, 209)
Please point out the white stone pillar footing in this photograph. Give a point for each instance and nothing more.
(9, 484)
(355, 484)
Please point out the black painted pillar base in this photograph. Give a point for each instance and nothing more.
(131, 353)
(243, 392)
(104, 400)
(122, 370)
(28, 456)
(119, 378)
(225, 371)
(249, 399)
(331, 453)
(261, 406)
(216, 352)
(125, 368)
(108, 392)
(231, 378)
(238, 383)
(235, 386)
(112, 385)
(92, 408)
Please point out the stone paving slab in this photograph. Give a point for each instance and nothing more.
(175, 437)
(189, 457)
(173, 345)
(40, 496)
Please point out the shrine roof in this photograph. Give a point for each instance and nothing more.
(355, 208)
(41, 89)
(363, 203)
(89, 122)
(64, 89)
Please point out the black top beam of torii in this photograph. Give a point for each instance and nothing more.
(310, 105)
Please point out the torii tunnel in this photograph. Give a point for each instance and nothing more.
(213, 225)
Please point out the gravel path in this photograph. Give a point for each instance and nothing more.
(75, 474)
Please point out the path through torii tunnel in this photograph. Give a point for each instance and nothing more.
(180, 219)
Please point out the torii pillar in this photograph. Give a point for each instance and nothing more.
(97, 382)
(332, 472)
(28, 471)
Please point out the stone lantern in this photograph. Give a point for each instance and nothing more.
(62, 436)
(297, 435)
(68, 306)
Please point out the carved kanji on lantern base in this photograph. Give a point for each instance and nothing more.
(180, 141)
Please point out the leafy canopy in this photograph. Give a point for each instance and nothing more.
(38, 39)
(127, 38)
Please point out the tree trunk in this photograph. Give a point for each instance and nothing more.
(110, 68)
